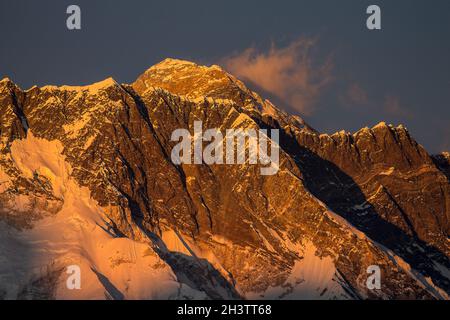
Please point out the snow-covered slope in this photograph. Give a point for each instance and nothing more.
(34, 262)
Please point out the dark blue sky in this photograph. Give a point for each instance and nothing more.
(400, 74)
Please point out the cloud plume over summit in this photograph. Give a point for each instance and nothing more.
(289, 73)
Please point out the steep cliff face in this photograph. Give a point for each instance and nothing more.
(442, 161)
(337, 205)
(394, 172)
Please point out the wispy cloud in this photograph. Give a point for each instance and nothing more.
(392, 106)
(355, 96)
(289, 73)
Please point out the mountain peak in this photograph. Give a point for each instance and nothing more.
(171, 62)
(93, 164)
(194, 81)
(5, 80)
(189, 79)
(381, 124)
(92, 88)
(7, 84)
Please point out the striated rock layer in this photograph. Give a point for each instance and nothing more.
(86, 179)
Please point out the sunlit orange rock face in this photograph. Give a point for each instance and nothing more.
(86, 179)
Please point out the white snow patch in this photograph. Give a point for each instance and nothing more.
(424, 282)
(242, 120)
(311, 278)
(34, 155)
(442, 269)
(91, 88)
(110, 267)
(388, 171)
(5, 181)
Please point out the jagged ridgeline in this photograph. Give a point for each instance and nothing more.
(86, 179)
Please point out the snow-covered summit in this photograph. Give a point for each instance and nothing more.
(4, 80)
(198, 82)
(188, 78)
(92, 88)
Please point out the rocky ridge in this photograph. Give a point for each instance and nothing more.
(338, 204)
